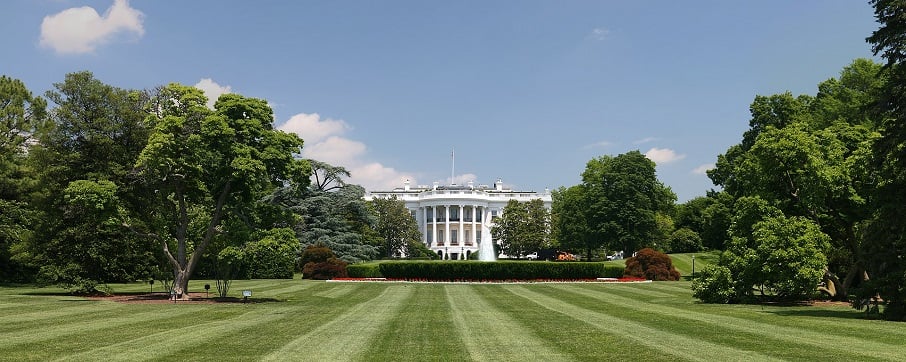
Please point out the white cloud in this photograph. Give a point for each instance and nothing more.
(212, 90)
(645, 140)
(312, 129)
(663, 155)
(324, 142)
(599, 33)
(700, 170)
(81, 30)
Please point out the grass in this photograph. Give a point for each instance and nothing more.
(314, 320)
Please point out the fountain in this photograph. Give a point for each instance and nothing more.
(486, 249)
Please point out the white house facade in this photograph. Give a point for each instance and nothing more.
(455, 220)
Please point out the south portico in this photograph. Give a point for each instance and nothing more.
(454, 219)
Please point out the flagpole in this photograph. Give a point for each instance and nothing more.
(453, 167)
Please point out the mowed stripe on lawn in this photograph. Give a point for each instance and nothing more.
(822, 339)
(349, 334)
(166, 343)
(678, 345)
(490, 335)
(66, 326)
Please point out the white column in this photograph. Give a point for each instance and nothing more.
(447, 225)
(462, 236)
(434, 225)
(474, 213)
(425, 225)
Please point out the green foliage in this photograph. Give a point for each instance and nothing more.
(271, 257)
(396, 226)
(714, 285)
(624, 197)
(685, 241)
(335, 216)
(500, 270)
(570, 221)
(652, 265)
(523, 228)
(90, 247)
(364, 270)
(211, 163)
(885, 244)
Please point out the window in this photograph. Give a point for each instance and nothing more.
(412, 212)
(453, 236)
(454, 213)
(430, 237)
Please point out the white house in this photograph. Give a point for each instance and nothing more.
(454, 220)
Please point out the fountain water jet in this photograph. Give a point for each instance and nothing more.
(486, 251)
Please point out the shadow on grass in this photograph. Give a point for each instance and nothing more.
(151, 298)
(820, 313)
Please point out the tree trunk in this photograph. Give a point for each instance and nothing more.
(181, 283)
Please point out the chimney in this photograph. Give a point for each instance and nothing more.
(406, 185)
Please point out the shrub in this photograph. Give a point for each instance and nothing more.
(271, 257)
(329, 269)
(685, 240)
(320, 263)
(714, 285)
(652, 265)
(364, 270)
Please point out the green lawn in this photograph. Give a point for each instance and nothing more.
(322, 321)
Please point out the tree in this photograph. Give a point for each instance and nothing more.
(339, 219)
(90, 247)
(209, 163)
(523, 228)
(570, 221)
(624, 197)
(782, 257)
(396, 226)
(21, 114)
(806, 156)
(86, 150)
(885, 249)
(684, 240)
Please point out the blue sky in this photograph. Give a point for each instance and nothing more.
(526, 91)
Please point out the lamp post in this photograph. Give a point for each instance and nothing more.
(151, 282)
(693, 267)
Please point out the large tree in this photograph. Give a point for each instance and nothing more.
(86, 151)
(21, 114)
(206, 164)
(624, 198)
(523, 228)
(806, 155)
(396, 227)
(570, 222)
(885, 248)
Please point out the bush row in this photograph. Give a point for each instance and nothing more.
(478, 270)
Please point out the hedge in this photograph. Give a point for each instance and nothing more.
(364, 270)
(480, 270)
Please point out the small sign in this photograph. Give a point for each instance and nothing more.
(246, 293)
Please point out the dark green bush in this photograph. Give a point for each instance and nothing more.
(500, 270)
(714, 285)
(613, 271)
(364, 270)
(271, 257)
